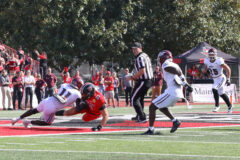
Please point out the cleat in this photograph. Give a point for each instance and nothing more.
(230, 109)
(175, 126)
(26, 123)
(148, 132)
(141, 121)
(134, 118)
(216, 108)
(13, 121)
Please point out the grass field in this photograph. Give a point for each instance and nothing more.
(185, 144)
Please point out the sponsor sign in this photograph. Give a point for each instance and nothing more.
(203, 93)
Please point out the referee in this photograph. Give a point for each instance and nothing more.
(143, 81)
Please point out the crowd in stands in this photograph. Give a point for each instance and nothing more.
(196, 73)
(20, 81)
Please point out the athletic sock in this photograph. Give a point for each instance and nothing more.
(151, 128)
(174, 120)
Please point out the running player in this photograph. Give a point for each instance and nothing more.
(214, 66)
(67, 95)
(174, 78)
(92, 106)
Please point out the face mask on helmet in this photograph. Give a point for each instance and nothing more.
(212, 54)
(163, 56)
(87, 90)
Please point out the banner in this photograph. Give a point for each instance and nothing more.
(203, 93)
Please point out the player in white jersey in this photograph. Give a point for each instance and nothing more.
(66, 96)
(174, 78)
(214, 66)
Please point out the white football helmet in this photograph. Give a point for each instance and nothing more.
(212, 53)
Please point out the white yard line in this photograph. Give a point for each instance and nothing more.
(126, 153)
(27, 144)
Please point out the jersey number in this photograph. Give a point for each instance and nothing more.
(213, 71)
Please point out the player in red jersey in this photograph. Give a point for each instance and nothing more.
(92, 105)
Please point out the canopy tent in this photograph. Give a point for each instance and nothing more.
(197, 54)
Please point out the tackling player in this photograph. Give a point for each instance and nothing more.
(67, 95)
(174, 78)
(215, 65)
(92, 105)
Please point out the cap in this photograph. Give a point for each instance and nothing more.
(137, 45)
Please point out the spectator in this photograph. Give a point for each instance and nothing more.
(95, 79)
(109, 91)
(116, 85)
(101, 84)
(66, 76)
(28, 62)
(157, 82)
(5, 83)
(17, 90)
(20, 56)
(51, 81)
(193, 72)
(77, 75)
(2, 64)
(43, 62)
(40, 84)
(12, 64)
(127, 86)
(29, 82)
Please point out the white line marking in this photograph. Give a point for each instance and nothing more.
(126, 153)
(28, 144)
(52, 142)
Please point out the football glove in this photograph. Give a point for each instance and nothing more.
(228, 82)
(188, 88)
(98, 128)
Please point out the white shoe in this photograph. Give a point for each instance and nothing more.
(230, 109)
(216, 108)
(26, 123)
(13, 121)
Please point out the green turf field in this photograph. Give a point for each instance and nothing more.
(186, 144)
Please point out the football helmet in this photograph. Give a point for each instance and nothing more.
(88, 90)
(164, 55)
(212, 53)
(77, 83)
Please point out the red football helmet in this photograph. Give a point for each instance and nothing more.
(164, 55)
(77, 82)
(88, 90)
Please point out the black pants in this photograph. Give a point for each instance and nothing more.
(49, 91)
(29, 92)
(43, 70)
(39, 93)
(116, 95)
(128, 92)
(17, 95)
(137, 97)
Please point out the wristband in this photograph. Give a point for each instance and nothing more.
(182, 77)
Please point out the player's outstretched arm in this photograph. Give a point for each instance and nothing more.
(104, 113)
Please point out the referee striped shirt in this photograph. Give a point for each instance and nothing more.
(143, 61)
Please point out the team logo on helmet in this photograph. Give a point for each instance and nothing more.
(88, 90)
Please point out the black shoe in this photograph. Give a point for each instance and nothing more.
(9, 109)
(135, 118)
(175, 126)
(141, 120)
(148, 132)
(4, 108)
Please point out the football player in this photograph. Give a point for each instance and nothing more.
(175, 79)
(66, 96)
(214, 66)
(92, 105)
